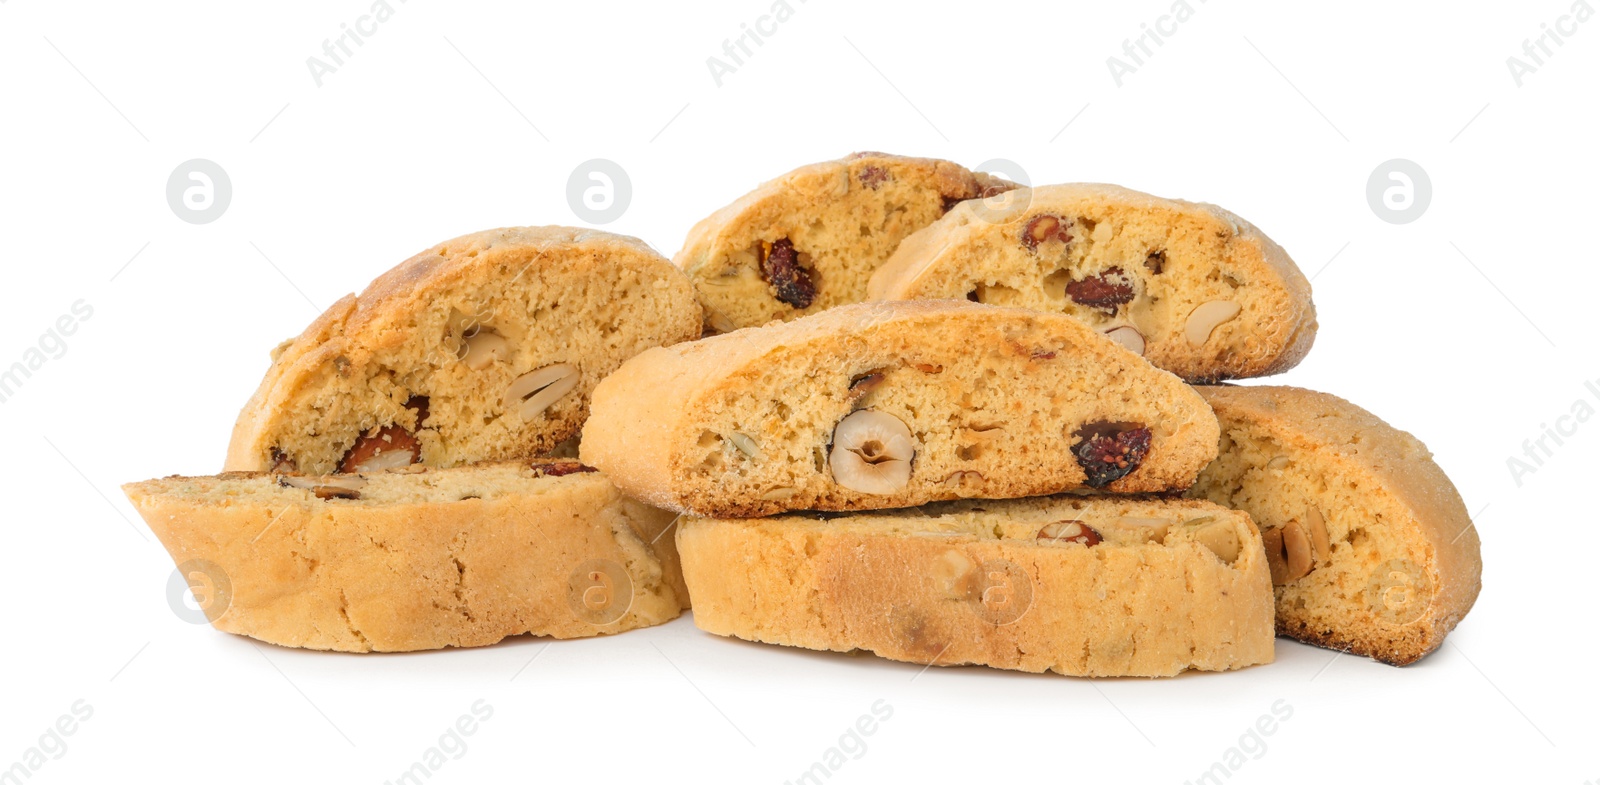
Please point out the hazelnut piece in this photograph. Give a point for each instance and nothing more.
(1071, 531)
(872, 453)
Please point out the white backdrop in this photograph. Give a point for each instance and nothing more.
(1473, 326)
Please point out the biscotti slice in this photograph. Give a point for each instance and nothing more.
(1078, 586)
(1371, 547)
(1194, 288)
(417, 558)
(810, 239)
(894, 404)
(483, 348)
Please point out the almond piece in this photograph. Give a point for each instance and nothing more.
(482, 349)
(1205, 318)
(1128, 337)
(533, 392)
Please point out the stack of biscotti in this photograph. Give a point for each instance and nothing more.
(383, 489)
(896, 405)
(1368, 544)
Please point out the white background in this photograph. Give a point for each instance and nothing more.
(1470, 327)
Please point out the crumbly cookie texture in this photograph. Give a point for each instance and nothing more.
(1079, 586)
(1370, 545)
(418, 558)
(894, 404)
(809, 240)
(1196, 289)
(485, 347)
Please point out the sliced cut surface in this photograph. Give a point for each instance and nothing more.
(1194, 288)
(894, 404)
(417, 558)
(1078, 586)
(809, 240)
(1371, 548)
(485, 347)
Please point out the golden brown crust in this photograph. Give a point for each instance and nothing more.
(971, 582)
(355, 367)
(996, 392)
(450, 557)
(845, 216)
(1406, 565)
(1207, 254)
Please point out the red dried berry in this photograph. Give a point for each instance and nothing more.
(791, 282)
(562, 468)
(873, 176)
(1109, 451)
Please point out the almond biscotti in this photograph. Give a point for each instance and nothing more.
(1079, 586)
(810, 239)
(418, 558)
(483, 348)
(1370, 545)
(1194, 288)
(894, 404)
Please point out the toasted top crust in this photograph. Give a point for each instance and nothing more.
(1395, 481)
(786, 386)
(803, 205)
(400, 312)
(960, 251)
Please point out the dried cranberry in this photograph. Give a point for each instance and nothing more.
(562, 468)
(791, 282)
(1109, 451)
(873, 176)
